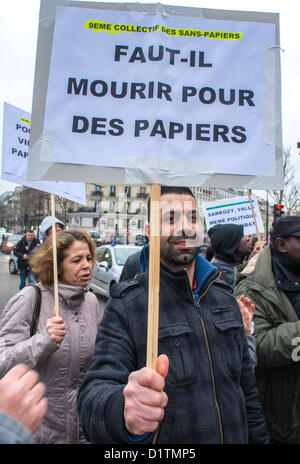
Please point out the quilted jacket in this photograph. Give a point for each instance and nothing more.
(210, 385)
(60, 368)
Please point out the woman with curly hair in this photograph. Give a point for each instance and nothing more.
(62, 346)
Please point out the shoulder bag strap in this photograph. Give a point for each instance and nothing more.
(36, 312)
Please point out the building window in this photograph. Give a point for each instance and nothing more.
(142, 192)
(112, 191)
(127, 191)
(126, 207)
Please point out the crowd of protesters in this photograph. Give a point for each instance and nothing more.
(228, 358)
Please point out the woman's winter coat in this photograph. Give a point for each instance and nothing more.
(60, 368)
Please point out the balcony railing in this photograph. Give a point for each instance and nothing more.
(97, 193)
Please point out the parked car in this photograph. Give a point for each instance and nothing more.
(13, 263)
(110, 263)
(4, 238)
(10, 243)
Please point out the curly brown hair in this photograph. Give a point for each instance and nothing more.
(41, 262)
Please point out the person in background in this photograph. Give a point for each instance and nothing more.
(257, 247)
(23, 250)
(230, 246)
(273, 285)
(203, 389)
(46, 226)
(253, 240)
(63, 345)
(22, 405)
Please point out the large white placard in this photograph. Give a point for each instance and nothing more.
(15, 152)
(236, 210)
(190, 92)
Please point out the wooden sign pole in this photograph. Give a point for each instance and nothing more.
(154, 277)
(254, 218)
(55, 281)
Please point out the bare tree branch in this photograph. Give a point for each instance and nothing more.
(290, 195)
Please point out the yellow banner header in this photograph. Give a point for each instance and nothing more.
(99, 26)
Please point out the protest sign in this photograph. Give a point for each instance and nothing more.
(159, 95)
(154, 90)
(236, 210)
(163, 93)
(15, 152)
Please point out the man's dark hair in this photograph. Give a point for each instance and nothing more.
(165, 189)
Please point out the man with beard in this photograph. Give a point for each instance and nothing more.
(203, 389)
(138, 262)
(274, 288)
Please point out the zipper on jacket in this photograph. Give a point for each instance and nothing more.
(213, 381)
(196, 305)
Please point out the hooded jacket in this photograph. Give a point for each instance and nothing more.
(225, 239)
(210, 385)
(276, 329)
(60, 368)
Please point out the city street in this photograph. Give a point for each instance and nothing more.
(9, 284)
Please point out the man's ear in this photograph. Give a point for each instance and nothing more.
(280, 245)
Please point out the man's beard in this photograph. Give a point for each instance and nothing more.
(177, 257)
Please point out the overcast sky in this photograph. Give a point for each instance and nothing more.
(18, 36)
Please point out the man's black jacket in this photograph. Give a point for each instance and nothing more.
(23, 249)
(210, 385)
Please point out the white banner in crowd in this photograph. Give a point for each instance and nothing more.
(234, 210)
(16, 135)
(126, 85)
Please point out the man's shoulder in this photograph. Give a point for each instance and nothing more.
(221, 285)
(129, 288)
(221, 263)
(135, 256)
(131, 267)
(22, 241)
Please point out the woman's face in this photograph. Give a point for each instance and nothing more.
(77, 265)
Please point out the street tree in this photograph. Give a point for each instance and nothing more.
(290, 195)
